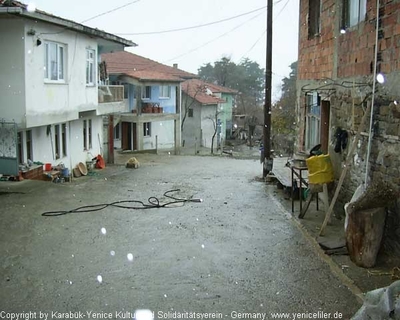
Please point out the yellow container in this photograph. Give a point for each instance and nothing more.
(320, 169)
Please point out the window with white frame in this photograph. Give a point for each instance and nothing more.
(90, 133)
(313, 120)
(146, 93)
(165, 92)
(64, 139)
(117, 132)
(87, 134)
(57, 140)
(90, 67)
(147, 129)
(54, 62)
(354, 11)
(60, 140)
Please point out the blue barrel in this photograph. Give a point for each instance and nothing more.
(65, 172)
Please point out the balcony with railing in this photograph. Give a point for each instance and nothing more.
(114, 93)
(111, 100)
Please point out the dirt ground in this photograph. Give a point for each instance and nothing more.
(238, 251)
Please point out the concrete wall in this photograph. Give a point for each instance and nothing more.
(207, 126)
(164, 130)
(48, 103)
(191, 132)
(12, 71)
(43, 144)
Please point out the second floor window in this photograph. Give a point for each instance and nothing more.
(164, 92)
(146, 93)
(314, 18)
(90, 69)
(54, 61)
(354, 11)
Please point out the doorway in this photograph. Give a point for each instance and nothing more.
(128, 139)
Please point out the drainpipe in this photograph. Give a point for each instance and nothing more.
(373, 97)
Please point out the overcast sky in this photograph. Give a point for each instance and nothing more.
(190, 49)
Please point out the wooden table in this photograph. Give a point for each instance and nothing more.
(297, 175)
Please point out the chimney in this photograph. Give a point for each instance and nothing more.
(175, 65)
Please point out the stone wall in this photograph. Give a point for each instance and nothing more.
(384, 156)
(344, 63)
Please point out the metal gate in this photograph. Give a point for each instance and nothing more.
(8, 148)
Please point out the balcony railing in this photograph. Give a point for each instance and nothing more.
(111, 94)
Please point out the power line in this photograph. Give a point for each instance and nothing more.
(109, 11)
(94, 17)
(192, 27)
(262, 35)
(207, 43)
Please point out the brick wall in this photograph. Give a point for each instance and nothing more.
(355, 48)
(316, 54)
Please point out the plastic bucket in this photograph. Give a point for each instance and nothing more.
(65, 172)
(47, 167)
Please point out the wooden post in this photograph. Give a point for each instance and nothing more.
(156, 144)
(348, 161)
(110, 139)
(364, 235)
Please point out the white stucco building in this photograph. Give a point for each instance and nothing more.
(49, 87)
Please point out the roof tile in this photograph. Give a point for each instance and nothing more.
(142, 68)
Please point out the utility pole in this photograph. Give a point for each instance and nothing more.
(268, 94)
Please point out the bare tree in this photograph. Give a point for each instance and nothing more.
(189, 100)
(214, 119)
(254, 117)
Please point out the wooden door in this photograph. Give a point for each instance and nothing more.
(125, 136)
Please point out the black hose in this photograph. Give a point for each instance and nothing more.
(153, 203)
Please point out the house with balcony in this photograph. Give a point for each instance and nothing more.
(349, 61)
(151, 116)
(205, 110)
(49, 93)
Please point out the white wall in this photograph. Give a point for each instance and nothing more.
(43, 145)
(191, 132)
(48, 103)
(207, 126)
(12, 85)
(164, 130)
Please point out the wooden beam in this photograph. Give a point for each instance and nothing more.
(348, 161)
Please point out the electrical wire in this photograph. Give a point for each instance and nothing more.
(191, 27)
(264, 32)
(109, 11)
(215, 39)
(92, 18)
(152, 203)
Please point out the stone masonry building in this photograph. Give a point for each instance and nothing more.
(337, 41)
